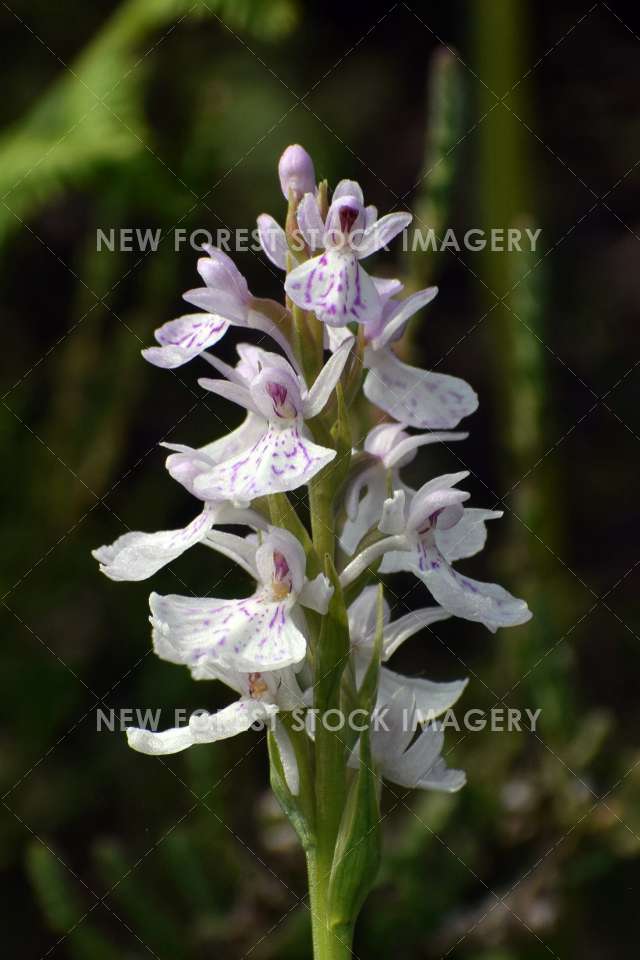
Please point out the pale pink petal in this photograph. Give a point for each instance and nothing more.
(183, 339)
(396, 320)
(326, 380)
(418, 398)
(467, 537)
(387, 287)
(310, 222)
(220, 272)
(273, 240)
(219, 302)
(348, 188)
(380, 233)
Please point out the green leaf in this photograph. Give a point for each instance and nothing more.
(357, 854)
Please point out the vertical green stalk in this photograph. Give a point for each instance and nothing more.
(330, 656)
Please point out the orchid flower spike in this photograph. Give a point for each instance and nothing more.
(359, 518)
(265, 631)
(418, 398)
(226, 300)
(414, 765)
(431, 699)
(278, 455)
(390, 448)
(439, 529)
(333, 284)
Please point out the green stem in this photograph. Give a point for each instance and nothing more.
(322, 519)
(328, 943)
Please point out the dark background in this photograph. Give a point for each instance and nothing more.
(141, 114)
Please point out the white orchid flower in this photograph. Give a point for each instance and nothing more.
(333, 284)
(266, 631)
(278, 455)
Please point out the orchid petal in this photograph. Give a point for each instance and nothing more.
(380, 233)
(387, 287)
(404, 310)
(273, 240)
(280, 460)
(397, 631)
(252, 634)
(335, 287)
(317, 593)
(136, 556)
(418, 398)
(410, 444)
(220, 272)
(392, 519)
(326, 380)
(468, 536)
(424, 768)
(363, 514)
(231, 373)
(418, 766)
(187, 463)
(369, 555)
(348, 188)
(202, 728)
(310, 222)
(218, 302)
(363, 617)
(184, 338)
(431, 699)
(230, 391)
(486, 603)
(437, 495)
(242, 550)
(256, 320)
(334, 337)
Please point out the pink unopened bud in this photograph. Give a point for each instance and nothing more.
(296, 171)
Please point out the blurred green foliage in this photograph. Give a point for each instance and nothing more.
(171, 113)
